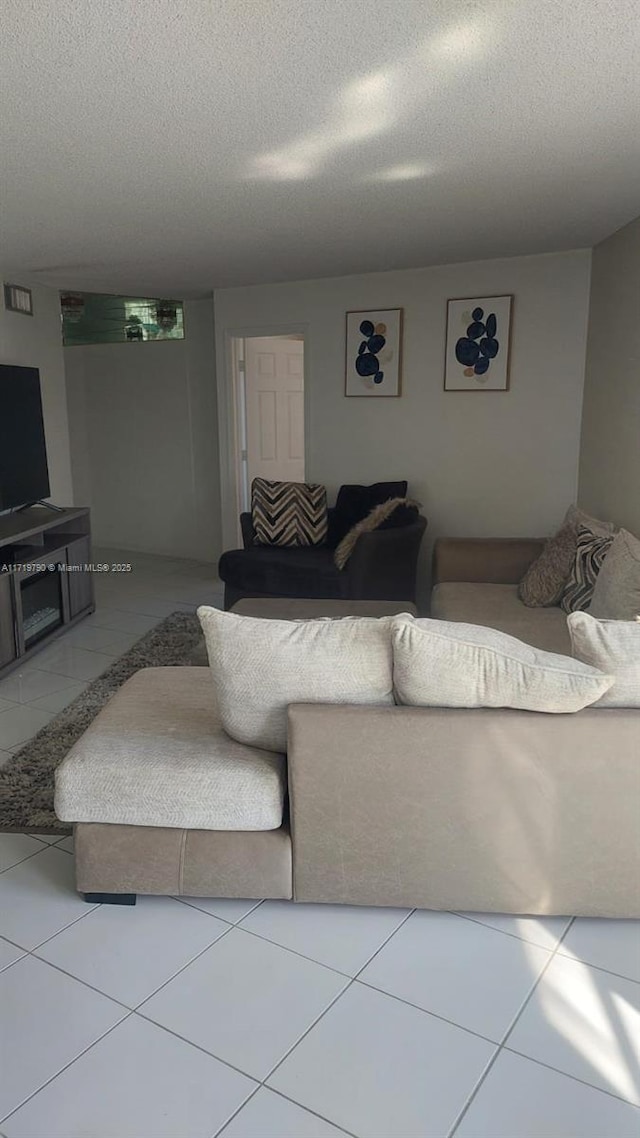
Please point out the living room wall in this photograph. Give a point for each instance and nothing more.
(144, 446)
(501, 463)
(610, 453)
(36, 341)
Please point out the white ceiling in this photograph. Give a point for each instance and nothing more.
(175, 146)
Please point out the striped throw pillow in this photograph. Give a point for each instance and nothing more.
(591, 551)
(288, 513)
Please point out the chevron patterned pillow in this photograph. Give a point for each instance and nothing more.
(288, 513)
(591, 551)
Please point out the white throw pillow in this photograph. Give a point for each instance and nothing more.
(440, 663)
(261, 666)
(614, 647)
(616, 595)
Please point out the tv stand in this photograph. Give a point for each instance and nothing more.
(46, 583)
(41, 502)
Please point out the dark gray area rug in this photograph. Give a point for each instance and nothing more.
(27, 780)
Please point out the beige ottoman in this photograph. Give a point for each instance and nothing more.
(163, 801)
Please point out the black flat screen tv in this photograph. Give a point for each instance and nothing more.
(24, 475)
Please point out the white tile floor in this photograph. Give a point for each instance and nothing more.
(194, 1018)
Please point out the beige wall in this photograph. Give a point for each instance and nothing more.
(144, 440)
(481, 463)
(610, 453)
(36, 341)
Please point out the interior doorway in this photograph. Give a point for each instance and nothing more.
(269, 403)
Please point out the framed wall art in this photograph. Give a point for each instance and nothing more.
(374, 352)
(478, 344)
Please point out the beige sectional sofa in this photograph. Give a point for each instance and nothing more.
(487, 810)
(476, 580)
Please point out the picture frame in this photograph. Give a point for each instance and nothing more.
(373, 369)
(478, 343)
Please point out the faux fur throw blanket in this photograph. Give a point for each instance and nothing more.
(373, 520)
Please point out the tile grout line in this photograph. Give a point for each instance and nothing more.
(598, 967)
(46, 940)
(514, 936)
(426, 1011)
(351, 981)
(99, 991)
(280, 1094)
(137, 1011)
(198, 1047)
(219, 1133)
(293, 951)
(339, 996)
(191, 905)
(217, 940)
(576, 1078)
(310, 1110)
(70, 976)
(64, 1068)
(506, 1035)
(34, 853)
(129, 1012)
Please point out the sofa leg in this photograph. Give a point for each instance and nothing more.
(111, 898)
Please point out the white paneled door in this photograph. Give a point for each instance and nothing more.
(274, 391)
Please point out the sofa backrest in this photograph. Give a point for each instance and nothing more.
(495, 810)
(487, 560)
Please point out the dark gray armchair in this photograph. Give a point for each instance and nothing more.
(382, 567)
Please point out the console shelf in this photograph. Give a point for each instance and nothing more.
(46, 583)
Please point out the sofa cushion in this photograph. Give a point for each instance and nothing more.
(355, 502)
(288, 513)
(616, 595)
(614, 647)
(543, 583)
(297, 572)
(157, 755)
(498, 606)
(438, 663)
(261, 666)
(591, 551)
(579, 518)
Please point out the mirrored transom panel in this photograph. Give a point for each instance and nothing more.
(96, 318)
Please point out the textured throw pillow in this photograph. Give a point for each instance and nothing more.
(544, 582)
(261, 666)
(616, 595)
(355, 502)
(404, 510)
(591, 551)
(577, 518)
(614, 647)
(288, 513)
(439, 663)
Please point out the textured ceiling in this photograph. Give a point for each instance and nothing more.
(175, 146)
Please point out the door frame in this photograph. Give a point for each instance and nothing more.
(228, 424)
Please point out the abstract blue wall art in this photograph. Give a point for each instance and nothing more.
(477, 350)
(373, 351)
